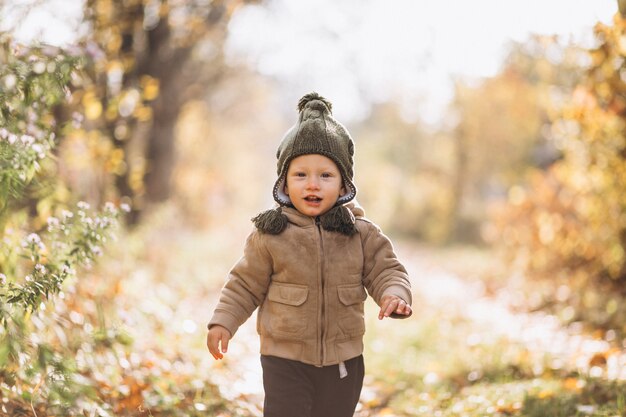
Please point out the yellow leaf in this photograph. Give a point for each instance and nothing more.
(143, 113)
(114, 41)
(573, 384)
(150, 87)
(373, 403)
(111, 112)
(93, 107)
(545, 394)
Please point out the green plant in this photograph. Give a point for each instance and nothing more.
(38, 251)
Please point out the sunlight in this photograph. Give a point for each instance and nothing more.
(487, 145)
(406, 51)
(190, 326)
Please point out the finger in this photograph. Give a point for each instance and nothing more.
(386, 310)
(225, 340)
(208, 342)
(212, 345)
(391, 307)
(401, 307)
(215, 352)
(405, 310)
(383, 307)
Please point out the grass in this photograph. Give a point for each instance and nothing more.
(423, 380)
(452, 358)
(443, 362)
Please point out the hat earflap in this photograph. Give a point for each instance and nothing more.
(271, 221)
(339, 219)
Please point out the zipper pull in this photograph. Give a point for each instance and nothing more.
(317, 221)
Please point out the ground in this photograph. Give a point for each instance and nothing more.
(470, 348)
(463, 352)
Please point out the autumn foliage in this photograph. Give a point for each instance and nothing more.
(568, 224)
(145, 110)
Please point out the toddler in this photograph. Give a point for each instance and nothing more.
(309, 265)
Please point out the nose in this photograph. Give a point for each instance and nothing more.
(313, 183)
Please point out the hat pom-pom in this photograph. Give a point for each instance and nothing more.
(314, 96)
(271, 221)
(339, 219)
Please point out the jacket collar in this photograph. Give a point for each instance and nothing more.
(299, 219)
(340, 219)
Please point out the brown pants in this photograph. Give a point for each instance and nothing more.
(295, 389)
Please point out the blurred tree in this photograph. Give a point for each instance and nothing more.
(153, 57)
(569, 223)
(622, 7)
(403, 172)
(599, 148)
(63, 347)
(209, 185)
(501, 132)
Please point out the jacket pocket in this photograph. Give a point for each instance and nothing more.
(351, 294)
(290, 294)
(351, 320)
(285, 310)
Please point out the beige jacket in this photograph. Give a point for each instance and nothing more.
(310, 285)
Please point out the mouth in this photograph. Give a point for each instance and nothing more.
(312, 199)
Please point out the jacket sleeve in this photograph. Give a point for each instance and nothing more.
(246, 286)
(383, 274)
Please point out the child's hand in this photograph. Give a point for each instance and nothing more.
(218, 336)
(393, 304)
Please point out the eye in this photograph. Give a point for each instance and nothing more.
(327, 175)
(300, 174)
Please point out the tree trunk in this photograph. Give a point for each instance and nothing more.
(160, 53)
(160, 152)
(458, 185)
(621, 5)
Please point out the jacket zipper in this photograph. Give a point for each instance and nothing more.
(323, 301)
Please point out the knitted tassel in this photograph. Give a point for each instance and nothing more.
(339, 219)
(271, 221)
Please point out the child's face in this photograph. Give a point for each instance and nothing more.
(313, 184)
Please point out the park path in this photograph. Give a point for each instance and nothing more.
(435, 285)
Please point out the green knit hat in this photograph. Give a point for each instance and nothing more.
(316, 132)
